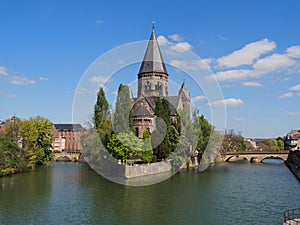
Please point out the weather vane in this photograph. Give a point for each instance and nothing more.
(153, 22)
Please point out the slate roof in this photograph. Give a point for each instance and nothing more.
(153, 61)
(68, 126)
(142, 111)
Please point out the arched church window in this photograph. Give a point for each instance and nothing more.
(158, 86)
(148, 86)
(137, 131)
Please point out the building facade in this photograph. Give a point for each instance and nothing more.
(292, 140)
(67, 137)
(152, 84)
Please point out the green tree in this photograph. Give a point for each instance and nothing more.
(162, 123)
(124, 146)
(101, 109)
(147, 151)
(123, 116)
(233, 142)
(11, 158)
(270, 144)
(205, 131)
(37, 135)
(280, 144)
(173, 137)
(102, 120)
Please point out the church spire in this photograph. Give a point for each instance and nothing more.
(153, 61)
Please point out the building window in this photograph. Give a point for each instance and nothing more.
(137, 131)
(148, 86)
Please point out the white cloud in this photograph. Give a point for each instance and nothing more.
(229, 102)
(81, 91)
(198, 98)
(239, 119)
(294, 51)
(18, 80)
(252, 84)
(12, 96)
(175, 37)
(180, 47)
(295, 88)
(43, 78)
(3, 71)
(100, 80)
(293, 113)
(232, 75)
(298, 94)
(222, 37)
(247, 55)
(162, 40)
(286, 95)
(191, 65)
(275, 62)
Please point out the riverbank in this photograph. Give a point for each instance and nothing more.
(293, 163)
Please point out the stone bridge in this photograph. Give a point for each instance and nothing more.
(256, 156)
(70, 155)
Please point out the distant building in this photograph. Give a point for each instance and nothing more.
(4, 124)
(67, 137)
(292, 140)
(251, 142)
(2, 128)
(153, 84)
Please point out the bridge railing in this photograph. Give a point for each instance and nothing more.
(292, 216)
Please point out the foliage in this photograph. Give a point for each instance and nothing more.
(162, 122)
(233, 142)
(271, 144)
(102, 117)
(147, 151)
(124, 146)
(123, 116)
(11, 157)
(37, 136)
(173, 137)
(27, 143)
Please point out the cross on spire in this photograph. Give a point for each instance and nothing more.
(153, 23)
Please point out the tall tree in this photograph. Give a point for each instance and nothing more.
(123, 116)
(206, 130)
(147, 151)
(101, 109)
(102, 119)
(162, 124)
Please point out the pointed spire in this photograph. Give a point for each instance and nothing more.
(153, 61)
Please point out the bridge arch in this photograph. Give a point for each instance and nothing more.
(228, 158)
(62, 157)
(71, 156)
(261, 159)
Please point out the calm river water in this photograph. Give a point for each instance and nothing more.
(229, 193)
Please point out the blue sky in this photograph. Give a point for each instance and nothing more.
(252, 48)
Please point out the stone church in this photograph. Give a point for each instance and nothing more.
(153, 84)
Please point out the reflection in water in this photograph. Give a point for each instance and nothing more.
(228, 193)
(273, 161)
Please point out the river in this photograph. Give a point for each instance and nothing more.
(227, 193)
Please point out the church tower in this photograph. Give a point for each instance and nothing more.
(153, 75)
(152, 84)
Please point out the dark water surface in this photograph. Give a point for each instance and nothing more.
(229, 193)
